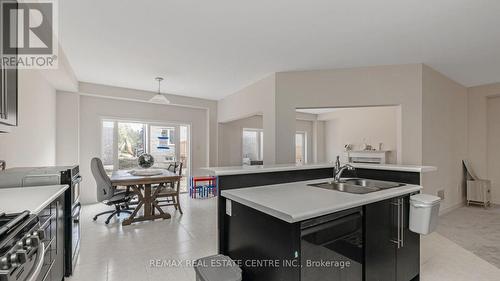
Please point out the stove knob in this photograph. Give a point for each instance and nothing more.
(4, 263)
(14, 260)
(22, 256)
(41, 234)
(33, 241)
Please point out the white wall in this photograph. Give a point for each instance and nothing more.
(92, 109)
(444, 140)
(319, 145)
(353, 125)
(367, 86)
(494, 147)
(67, 128)
(33, 142)
(478, 126)
(255, 99)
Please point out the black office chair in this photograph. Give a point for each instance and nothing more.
(107, 193)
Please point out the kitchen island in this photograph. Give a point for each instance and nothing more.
(270, 213)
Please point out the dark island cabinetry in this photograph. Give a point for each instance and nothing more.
(392, 251)
(373, 240)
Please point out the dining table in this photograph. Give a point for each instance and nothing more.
(142, 186)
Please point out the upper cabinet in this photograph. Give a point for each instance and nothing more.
(8, 85)
(8, 97)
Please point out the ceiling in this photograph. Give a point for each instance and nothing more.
(211, 49)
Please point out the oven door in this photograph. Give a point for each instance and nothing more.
(38, 269)
(332, 248)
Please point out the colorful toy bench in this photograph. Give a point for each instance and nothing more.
(203, 187)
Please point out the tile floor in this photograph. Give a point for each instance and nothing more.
(112, 252)
(476, 229)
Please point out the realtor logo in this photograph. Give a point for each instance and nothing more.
(29, 38)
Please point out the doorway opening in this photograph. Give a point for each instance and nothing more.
(366, 134)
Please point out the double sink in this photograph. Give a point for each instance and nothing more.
(357, 186)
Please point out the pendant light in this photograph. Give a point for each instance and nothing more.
(159, 98)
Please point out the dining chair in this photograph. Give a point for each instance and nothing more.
(172, 167)
(171, 192)
(107, 193)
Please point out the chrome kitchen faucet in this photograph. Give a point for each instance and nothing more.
(338, 170)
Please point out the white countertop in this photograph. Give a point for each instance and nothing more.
(33, 198)
(294, 202)
(241, 170)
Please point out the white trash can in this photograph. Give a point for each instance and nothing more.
(424, 211)
(217, 268)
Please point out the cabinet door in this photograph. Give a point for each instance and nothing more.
(9, 97)
(380, 251)
(408, 255)
(8, 94)
(3, 104)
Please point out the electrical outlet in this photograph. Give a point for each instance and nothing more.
(441, 194)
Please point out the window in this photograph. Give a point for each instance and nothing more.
(107, 155)
(253, 140)
(300, 148)
(162, 144)
(122, 142)
(131, 144)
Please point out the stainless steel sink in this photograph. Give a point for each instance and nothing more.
(357, 186)
(373, 183)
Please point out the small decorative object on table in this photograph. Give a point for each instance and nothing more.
(146, 161)
(204, 190)
(368, 147)
(348, 147)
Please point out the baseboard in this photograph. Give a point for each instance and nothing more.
(451, 208)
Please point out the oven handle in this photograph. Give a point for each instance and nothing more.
(330, 224)
(76, 214)
(39, 263)
(78, 179)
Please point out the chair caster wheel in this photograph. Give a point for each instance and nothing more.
(94, 219)
(106, 222)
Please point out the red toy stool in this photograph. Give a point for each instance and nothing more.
(204, 190)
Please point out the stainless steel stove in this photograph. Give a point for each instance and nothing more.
(22, 252)
(54, 175)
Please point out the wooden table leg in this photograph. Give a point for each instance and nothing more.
(140, 198)
(148, 202)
